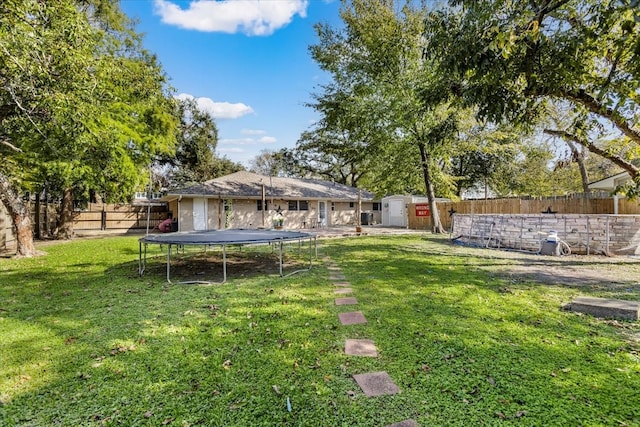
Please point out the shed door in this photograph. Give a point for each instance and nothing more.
(199, 214)
(397, 215)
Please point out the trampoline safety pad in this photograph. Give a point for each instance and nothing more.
(224, 238)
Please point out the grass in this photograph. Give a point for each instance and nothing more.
(85, 341)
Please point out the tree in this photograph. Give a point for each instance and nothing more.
(269, 163)
(511, 58)
(379, 75)
(81, 103)
(195, 159)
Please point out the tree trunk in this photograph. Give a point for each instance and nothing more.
(436, 224)
(21, 217)
(65, 228)
(578, 157)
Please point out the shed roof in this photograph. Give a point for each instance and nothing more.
(248, 185)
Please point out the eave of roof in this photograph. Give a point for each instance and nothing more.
(611, 182)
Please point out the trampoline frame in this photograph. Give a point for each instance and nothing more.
(178, 240)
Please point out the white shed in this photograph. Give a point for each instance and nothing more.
(394, 209)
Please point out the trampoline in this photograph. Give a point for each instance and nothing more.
(224, 238)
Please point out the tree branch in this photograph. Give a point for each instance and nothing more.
(629, 167)
(5, 141)
(583, 98)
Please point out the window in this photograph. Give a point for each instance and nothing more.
(293, 205)
(259, 205)
(376, 206)
(333, 206)
(351, 204)
(303, 205)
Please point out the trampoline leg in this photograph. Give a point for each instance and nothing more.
(140, 269)
(281, 258)
(224, 263)
(169, 263)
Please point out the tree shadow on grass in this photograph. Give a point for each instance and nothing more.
(208, 265)
(119, 349)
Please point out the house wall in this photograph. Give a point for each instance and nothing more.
(590, 234)
(216, 215)
(185, 215)
(245, 214)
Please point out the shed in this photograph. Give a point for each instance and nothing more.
(394, 209)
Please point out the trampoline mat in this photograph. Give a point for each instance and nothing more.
(225, 237)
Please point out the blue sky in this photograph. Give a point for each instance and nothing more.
(246, 62)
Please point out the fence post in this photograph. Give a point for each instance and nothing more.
(588, 235)
(103, 219)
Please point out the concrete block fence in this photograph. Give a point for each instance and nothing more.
(585, 234)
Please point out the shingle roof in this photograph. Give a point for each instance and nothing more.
(245, 184)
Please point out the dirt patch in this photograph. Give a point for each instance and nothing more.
(209, 266)
(595, 271)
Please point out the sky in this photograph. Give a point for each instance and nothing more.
(246, 62)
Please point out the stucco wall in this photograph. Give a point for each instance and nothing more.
(585, 234)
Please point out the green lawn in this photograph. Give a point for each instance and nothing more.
(85, 341)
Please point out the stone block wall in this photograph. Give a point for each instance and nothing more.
(585, 234)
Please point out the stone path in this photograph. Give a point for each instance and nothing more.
(373, 383)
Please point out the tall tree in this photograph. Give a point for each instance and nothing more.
(379, 74)
(511, 58)
(80, 101)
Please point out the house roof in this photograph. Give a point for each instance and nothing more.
(248, 185)
(610, 183)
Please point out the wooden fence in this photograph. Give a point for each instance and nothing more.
(575, 204)
(95, 218)
(101, 217)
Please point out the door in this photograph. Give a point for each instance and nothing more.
(397, 215)
(322, 214)
(200, 214)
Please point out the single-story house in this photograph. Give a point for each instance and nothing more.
(248, 200)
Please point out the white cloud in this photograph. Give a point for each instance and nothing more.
(252, 17)
(247, 141)
(219, 110)
(237, 141)
(253, 132)
(233, 150)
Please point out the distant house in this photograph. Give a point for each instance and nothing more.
(248, 200)
(609, 184)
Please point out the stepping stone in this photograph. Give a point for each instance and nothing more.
(405, 423)
(346, 301)
(360, 348)
(342, 284)
(376, 384)
(602, 307)
(343, 291)
(352, 318)
(333, 268)
(334, 277)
